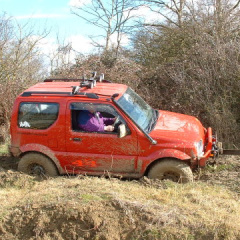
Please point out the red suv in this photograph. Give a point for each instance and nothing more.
(48, 138)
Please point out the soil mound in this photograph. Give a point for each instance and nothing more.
(81, 207)
(104, 220)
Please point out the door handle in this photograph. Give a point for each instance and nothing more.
(77, 139)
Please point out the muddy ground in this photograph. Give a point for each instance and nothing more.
(103, 217)
(225, 171)
(8, 163)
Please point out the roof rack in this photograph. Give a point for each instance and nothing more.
(87, 83)
(84, 82)
(62, 79)
(89, 95)
(100, 78)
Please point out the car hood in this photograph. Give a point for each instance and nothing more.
(178, 126)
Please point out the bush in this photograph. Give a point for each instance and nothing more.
(194, 68)
(21, 65)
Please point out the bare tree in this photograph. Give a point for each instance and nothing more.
(61, 57)
(170, 10)
(112, 16)
(21, 64)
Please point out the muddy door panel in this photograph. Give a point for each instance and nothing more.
(100, 151)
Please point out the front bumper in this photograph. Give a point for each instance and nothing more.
(212, 148)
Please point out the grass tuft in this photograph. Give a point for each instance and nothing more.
(4, 149)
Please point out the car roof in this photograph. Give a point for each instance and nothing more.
(101, 88)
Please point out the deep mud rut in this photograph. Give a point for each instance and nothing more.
(225, 170)
(8, 162)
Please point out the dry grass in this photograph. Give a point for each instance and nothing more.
(99, 208)
(3, 149)
(123, 209)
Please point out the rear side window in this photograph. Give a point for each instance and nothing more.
(35, 115)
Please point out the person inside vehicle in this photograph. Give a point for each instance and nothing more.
(92, 121)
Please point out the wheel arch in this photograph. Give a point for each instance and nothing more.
(162, 159)
(53, 160)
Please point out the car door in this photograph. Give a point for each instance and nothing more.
(93, 152)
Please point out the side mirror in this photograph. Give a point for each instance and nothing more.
(122, 131)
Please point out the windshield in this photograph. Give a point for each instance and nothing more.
(140, 112)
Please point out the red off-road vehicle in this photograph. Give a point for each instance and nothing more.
(159, 144)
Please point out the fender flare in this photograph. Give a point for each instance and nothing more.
(38, 148)
(146, 162)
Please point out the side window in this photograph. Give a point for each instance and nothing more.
(89, 117)
(36, 115)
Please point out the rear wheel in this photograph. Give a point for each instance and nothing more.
(171, 169)
(37, 164)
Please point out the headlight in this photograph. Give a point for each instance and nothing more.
(199, 147)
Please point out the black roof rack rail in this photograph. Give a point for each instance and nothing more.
(70, 80)
(89, 95)
(94, 77)
(62, 79)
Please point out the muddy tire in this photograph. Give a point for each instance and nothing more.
(171, 169)
(37, 164)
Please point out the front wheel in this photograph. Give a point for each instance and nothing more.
(171, 169)
(37, 164)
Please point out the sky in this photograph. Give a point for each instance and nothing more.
(55, 16)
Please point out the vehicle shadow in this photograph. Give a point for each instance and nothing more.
(8, 162)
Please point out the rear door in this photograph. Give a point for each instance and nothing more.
(98, 151)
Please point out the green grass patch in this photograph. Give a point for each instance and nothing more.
(3, 149)
(219, 168)
(90, 197)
